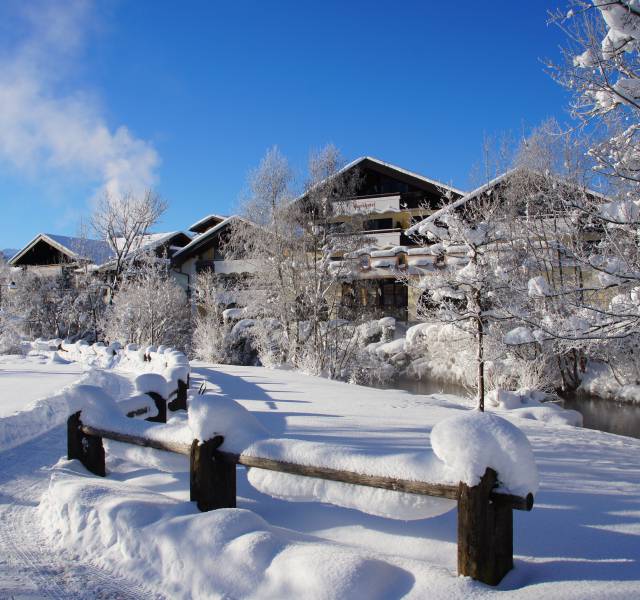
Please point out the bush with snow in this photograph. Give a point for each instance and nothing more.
(149, 309)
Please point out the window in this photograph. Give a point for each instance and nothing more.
(377, 224)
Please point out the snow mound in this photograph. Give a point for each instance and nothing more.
(470, 443)
(373, 501)
(151, 382)
(57, 359)
(227, 553)
(98, 408)
(175, 374)
(213, 414)
(529, 404)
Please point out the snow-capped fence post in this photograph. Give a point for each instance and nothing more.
(485, 532)
(86, 448)
(155, 386)
(212, 478)
(161, 405)
(180, 400)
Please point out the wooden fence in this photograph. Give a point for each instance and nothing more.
(485, 517)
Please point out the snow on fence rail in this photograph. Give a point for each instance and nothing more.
(485, 513)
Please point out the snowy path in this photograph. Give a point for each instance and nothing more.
(29, 569)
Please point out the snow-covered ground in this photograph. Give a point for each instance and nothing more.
(26, 379)
(582, 539)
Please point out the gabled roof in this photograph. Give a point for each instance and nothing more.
(210, 220)
(483, 189)
(94, 251)
(390, 169)
(149, 242)
(201, 239)
(97, 252)
(198, 242)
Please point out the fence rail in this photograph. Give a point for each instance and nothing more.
(485, 517)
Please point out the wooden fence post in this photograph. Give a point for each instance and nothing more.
(180, 401)
(212, 479)
(485, 532)
(88, 449)
(161, 405)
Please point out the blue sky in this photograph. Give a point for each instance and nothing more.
(187, 96)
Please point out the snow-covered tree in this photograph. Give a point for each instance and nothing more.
(472, 259)
(210, 331)
(296, 247)
(602, 68)
(149, 308)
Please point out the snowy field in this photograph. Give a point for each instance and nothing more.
(65, 533)
(24, 380)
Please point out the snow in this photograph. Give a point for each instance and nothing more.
(25, 380)
(530, 404)
(175, 374)
(580, 540)
(152, 382)
(470, 443)
(233, 314)
(373, 501)
(214, 414)
(199, 555)
(391, 348)
(387, 322)
(519, 335)
(538, 287)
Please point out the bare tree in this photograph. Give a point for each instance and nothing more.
(123, 221)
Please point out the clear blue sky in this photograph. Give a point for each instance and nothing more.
(200, 89)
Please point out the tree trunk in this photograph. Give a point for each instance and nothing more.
(480, 360)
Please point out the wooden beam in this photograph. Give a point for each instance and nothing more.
(387, 483)
(167, 446)
(452, 492)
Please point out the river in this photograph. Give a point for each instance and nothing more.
(603, 415)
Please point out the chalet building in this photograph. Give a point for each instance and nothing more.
(385, 201)
(51, 254)
(205, 252)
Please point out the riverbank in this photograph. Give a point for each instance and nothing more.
(601, 414)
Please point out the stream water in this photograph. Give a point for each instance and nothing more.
(604, 415)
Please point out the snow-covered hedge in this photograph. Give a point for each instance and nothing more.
(171, 364)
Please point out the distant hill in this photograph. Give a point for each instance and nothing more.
(7, 253)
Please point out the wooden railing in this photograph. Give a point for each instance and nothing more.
(485, 517)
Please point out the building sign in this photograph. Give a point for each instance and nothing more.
(365, 206)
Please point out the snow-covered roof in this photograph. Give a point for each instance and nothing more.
(387, 165)
(147, 243)
(201, 222)
(203, 237)
(415, 229)
(96, 252)
(76, 248)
